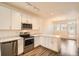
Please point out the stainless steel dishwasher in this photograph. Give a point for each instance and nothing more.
(9, 48)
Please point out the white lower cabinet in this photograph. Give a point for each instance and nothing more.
(54, 44)
(36, 41)
(50, 43)
(20, 46)
(42, 41)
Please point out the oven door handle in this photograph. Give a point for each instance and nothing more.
(28, 38)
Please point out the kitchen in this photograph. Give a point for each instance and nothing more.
(25, 26)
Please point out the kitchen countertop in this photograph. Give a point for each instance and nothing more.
(52, 36)
(45, 35)
(35, 35)
(9, 39)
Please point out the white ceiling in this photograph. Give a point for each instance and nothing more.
(48, 9)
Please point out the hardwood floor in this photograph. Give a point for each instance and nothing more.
(41, 51)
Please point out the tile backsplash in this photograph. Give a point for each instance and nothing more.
(6, 34)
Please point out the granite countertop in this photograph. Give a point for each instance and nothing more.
(9, 39)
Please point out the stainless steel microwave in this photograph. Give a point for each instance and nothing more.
(26, 26)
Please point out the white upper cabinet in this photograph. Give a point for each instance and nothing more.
(24, 18)
(5, 18)
(30, 19)
(16, 20)
(35, 23)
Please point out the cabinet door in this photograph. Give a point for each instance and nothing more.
(53, 44)
(24, 18)
(5, 17)
(43, 41)
(20, 46)
(46, 42)
(29, 19)
(16, 20)
(36, 41)
(35, 23)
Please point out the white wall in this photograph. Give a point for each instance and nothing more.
(7, 34)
